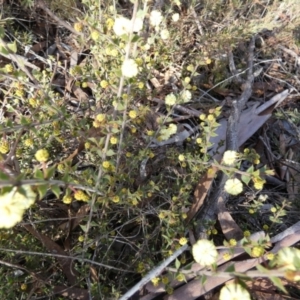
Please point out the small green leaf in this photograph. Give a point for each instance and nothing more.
(2, 32)
(56, 190)
(42, 190)
(261, 269)
(250, 170)
(12, 47)
(3, 51)
(3, 176)
(39, 174)
(230, 269)
(203, 279)
(50, 172)
(84, 228)
(177, 264)
(246, 179)
(278, 283)
(110, 152)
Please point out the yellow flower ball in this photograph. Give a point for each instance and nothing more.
(132, 114)
(181, 157)
(134, 202)
(67, 199)
(226, 256)
(190, 68)
(180, 277)
(169, 290)
(155, 18)
(211, 117)
(257, 251)
(103, 84)
(9, 68)
(161, 215)
(95, 35)
(205, 252)
(155, 281)
(81, 196)
(106, 164)
(214, 231)
(165, 280)
(170, 99)
(199, 141)
(113, 140)
(129, 68)
(33, 102)
(100, 117)
(233, 186)
(202, 117)
(232, 242)
(247, 233)
(78, 27)
(165, 34)
(116, 199)
(42, 155)
(4, 147)
(114, 52)
(81, 238)
(109, 23)
(87, 145)
(265, 227)
(183, 241)
(61, 168)
(208, 61)
(229, 157)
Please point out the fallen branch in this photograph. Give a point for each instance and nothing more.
(210, 208)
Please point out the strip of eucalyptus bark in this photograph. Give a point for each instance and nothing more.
(210, 207)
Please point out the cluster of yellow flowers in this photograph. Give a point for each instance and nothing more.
(81, 196)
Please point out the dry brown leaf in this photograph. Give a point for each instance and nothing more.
(201, 191)
(229, 227)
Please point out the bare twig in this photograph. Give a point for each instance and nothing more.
(80, 259)
(190, 112)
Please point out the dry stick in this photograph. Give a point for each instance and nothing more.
(210, 208)
(79, 259)
(190, 112)
(42, 5)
